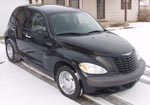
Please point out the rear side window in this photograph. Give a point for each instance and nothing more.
(13, 18)
(21, 19)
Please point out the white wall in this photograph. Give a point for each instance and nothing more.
(90, 7)
(49, 1)
(113, 11)
(145, 1)
(6, 8)
(133, 14)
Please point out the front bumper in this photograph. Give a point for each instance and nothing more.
(118, 79)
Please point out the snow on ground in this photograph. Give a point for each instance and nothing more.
(2, 53)
(139, 36)
(6, 8)
(138, 95)
(18, 87)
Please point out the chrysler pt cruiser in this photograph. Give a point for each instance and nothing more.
(70, 46)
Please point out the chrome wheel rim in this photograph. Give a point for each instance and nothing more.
(66, 82)
(9, 51)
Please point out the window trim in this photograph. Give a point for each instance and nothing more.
(36, 34)
(129, 4)
(103, 10)
(46, 24)
(60, 4)
(70, 3)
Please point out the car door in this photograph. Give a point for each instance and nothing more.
(36, 38)
(21, 40)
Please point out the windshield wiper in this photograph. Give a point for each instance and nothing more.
(71, 33)
(95, 31)
(74, 33)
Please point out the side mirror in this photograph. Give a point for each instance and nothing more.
(105, 29)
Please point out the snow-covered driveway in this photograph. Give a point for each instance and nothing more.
(18, 87)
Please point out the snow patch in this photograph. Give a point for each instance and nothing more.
(22, 88)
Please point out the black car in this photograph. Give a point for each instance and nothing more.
(70, 46)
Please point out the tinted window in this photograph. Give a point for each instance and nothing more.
(37, 24)
(21, 18)
(13, 19)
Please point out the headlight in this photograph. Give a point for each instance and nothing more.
(92, 68)
(137, 54)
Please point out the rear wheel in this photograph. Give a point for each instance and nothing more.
(68, 83)
(11, 53)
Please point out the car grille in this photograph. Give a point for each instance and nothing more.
(126, 64)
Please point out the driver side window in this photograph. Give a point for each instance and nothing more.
(38, 24)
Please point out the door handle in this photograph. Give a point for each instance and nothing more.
(49, 44)
(27, 36)
(12, 29)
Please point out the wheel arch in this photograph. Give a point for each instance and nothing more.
(62, 63)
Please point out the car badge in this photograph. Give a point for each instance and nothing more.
(127, 54)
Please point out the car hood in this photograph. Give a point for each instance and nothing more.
(105, 43)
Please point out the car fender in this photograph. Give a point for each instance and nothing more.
(70, 57)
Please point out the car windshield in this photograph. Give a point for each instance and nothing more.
(74, 23)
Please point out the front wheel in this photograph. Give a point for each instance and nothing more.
(68, 83)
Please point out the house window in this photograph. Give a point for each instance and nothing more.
(61, 2)
(30, 1)
(129, 4)
(100, 9)
(74, 3)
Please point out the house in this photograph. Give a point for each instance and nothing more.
(104, 10)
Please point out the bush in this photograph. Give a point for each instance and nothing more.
(144, 15)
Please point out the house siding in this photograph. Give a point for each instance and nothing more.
(133, 14)
(90, 7)
(36, 2)
(49, 1)
(113, 10)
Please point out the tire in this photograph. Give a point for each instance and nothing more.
(11, 53)
(76, 91)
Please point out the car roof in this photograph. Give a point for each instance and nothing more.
(50, 9)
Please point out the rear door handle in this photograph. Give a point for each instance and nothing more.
(12, 29)
(27, 36)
